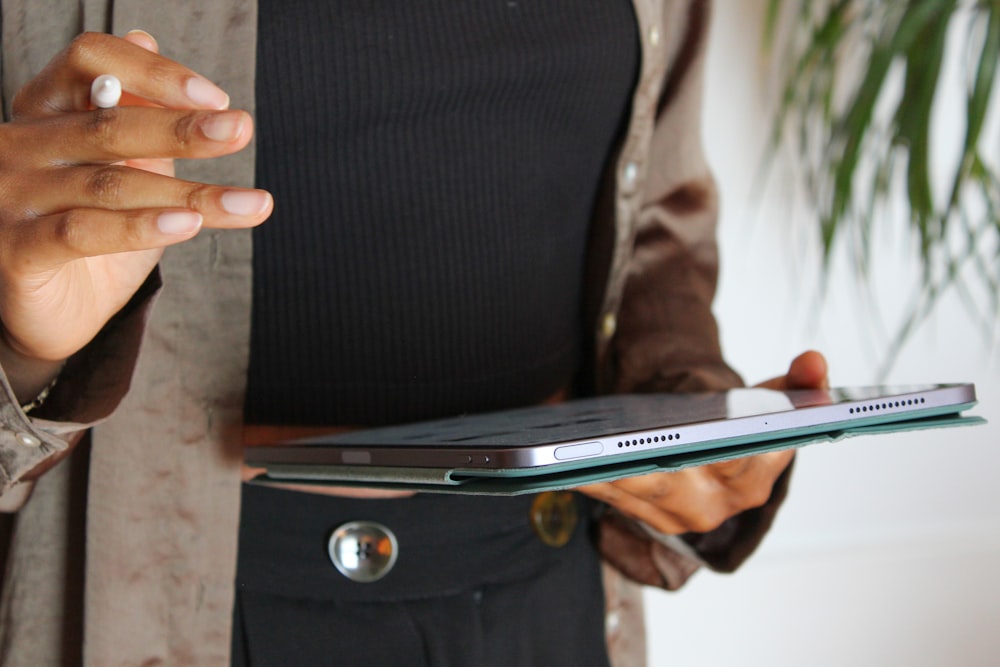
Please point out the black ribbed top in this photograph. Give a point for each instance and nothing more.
(434, 165)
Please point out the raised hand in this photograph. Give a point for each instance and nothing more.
(88, 200)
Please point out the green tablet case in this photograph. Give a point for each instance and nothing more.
(551, 478)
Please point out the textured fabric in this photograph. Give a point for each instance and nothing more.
(473, 585)
(154, 550)
(162, 508)
(433, 199)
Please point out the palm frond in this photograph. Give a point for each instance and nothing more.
(860, 81)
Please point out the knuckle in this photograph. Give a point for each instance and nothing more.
(196, 196)
(104, 185)
(30, 99)
(82, 50)
(104, 125)
(659, 493)
(728, 470)
(16, 203)
(160, 73)
(185, 128)
(132, 234)
(19, 104)
(67, 230)
(706, 522)
(756, 497)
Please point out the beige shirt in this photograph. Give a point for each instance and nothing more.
(150, 581)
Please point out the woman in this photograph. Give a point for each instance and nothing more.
(152, 578)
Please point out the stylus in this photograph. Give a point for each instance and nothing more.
(106, 91)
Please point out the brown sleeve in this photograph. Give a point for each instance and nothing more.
(90, 387)
(667, 339)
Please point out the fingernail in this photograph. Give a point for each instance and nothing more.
(178, 222)
(223, 126)
(142, 35)
(245, 202)
(206, 94)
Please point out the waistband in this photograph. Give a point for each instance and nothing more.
(446, 543)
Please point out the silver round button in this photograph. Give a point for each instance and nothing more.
(28, 440)
(363, 551)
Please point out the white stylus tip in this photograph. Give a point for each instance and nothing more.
(106, 91)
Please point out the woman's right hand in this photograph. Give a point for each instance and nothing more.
(88, 200)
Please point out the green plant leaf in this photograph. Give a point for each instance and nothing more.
(860, 165)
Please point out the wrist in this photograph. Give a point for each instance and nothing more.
(29, 378)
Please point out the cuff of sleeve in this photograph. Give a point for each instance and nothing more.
(728, 546)
(90, 387)
(24, 444)
(668, 561)
(632, 551)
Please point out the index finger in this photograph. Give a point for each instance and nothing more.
(64, 84)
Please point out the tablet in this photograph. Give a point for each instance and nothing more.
(608, 437)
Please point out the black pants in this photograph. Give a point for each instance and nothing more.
(473, 586)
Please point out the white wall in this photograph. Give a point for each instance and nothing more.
(888, 549)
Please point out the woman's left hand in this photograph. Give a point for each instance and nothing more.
(700, 499)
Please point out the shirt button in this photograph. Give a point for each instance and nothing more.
(612, 621)
(28, 440)
(654, 35)
(630, 174)
(554, 517)
(363, 551)
(609, 324)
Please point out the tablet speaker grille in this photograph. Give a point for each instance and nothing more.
(885, 406)
(652, 440)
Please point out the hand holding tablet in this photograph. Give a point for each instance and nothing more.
(605, 438)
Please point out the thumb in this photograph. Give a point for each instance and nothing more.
(809, 370)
